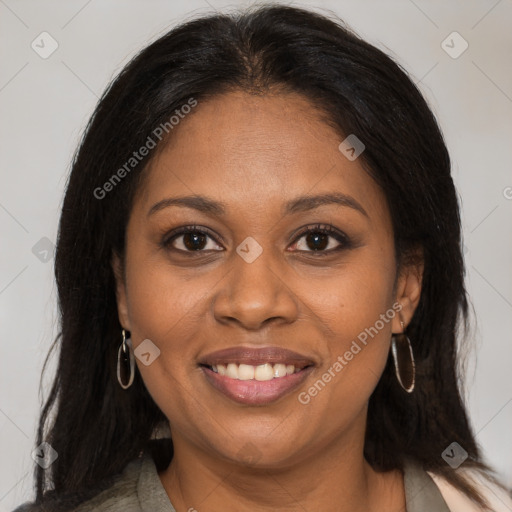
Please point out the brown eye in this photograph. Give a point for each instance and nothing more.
(321, 239)
(194, 241)
(191, 239)
(317, 241)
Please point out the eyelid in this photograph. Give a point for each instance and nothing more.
(323, 228)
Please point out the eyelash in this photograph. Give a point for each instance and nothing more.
(325, 229)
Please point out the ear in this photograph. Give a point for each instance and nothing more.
(122, 303)
(408, 289)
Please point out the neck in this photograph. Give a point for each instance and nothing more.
(333, 478)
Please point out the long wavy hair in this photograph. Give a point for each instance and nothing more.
(96, 427)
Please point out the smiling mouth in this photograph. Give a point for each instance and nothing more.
(255, 376)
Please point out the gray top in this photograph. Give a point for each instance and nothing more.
(139, 489)
(421, 492)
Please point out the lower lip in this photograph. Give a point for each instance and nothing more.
(255, 392)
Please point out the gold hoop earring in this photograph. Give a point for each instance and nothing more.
(403, 357)
(124, 356)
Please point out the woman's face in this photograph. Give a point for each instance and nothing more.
(256, 285)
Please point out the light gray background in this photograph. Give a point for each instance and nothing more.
(45, 103)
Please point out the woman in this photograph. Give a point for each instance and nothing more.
(260, 279)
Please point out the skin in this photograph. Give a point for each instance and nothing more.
(254, 153)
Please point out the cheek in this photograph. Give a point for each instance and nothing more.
(354, 295)
(162, 303)
(169, 311)
(355, 306)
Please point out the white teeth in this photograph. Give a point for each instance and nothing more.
(264, 372)
(280, 370)
(246, 372)
(232, 371)
(261, 372)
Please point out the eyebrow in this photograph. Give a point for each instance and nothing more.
(299, 204)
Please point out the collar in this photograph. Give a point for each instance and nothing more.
(421, 492)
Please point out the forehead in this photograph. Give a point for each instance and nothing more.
(253, 151)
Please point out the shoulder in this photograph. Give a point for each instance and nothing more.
(499, 500)
(120, 496)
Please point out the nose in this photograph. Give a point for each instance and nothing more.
(254, 294)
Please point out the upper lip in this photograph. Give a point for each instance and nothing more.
(256, 356)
